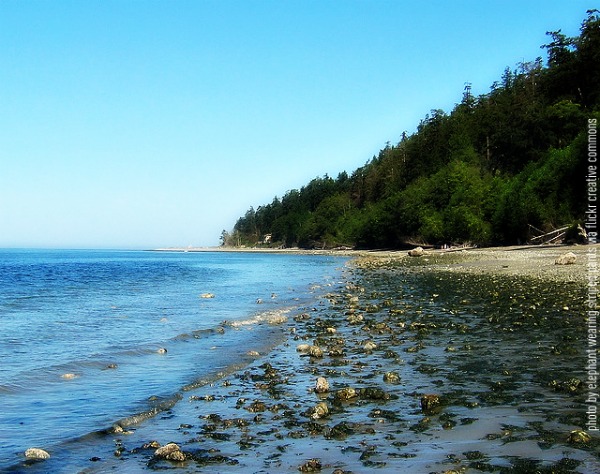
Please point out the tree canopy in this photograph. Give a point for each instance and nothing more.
(484, 173)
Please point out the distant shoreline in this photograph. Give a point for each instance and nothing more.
(525, 260)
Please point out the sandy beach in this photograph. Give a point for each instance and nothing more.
(521, 261)
(454, 362)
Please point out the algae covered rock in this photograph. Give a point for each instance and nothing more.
(391, 377)
(346, 393)
(170, 452)
(312, 465)
(430, 403)
(578, 437)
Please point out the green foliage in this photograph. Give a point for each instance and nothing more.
(496, 165)
(544, 195)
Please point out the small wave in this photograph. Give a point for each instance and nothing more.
(276, 316)
(32, 378)
(158, 405)
(199, 333)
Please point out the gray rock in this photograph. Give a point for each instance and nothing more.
(416, 252)
(36, 453)
(322, 385)
(171, 452)
(566, 259)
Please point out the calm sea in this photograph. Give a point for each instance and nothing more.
(83, 333)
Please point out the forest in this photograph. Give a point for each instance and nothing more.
(498, 169)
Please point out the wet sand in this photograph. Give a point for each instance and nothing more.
(452, 362)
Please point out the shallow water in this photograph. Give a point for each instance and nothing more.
(505, 355)
(80, 332)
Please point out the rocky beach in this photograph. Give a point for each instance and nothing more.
(465, 361)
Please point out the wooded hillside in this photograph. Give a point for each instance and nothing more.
(496, 165)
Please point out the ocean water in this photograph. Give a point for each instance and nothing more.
(83, 334)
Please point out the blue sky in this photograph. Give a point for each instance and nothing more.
(143, 124)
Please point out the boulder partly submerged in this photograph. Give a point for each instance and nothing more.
(37, 453)
(171, 452)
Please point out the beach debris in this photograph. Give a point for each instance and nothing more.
(568, 258)
(429, 403)
(575, 234)
(207, 295)
(322, 385)
(578, 437)
(416, 252)
(312, 465)
(36, 453)
(170, 452)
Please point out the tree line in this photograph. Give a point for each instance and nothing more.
(494, 168)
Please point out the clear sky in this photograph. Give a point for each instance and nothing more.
(142, 124)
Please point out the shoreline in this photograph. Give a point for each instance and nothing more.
(536, 261)
(433, 364)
